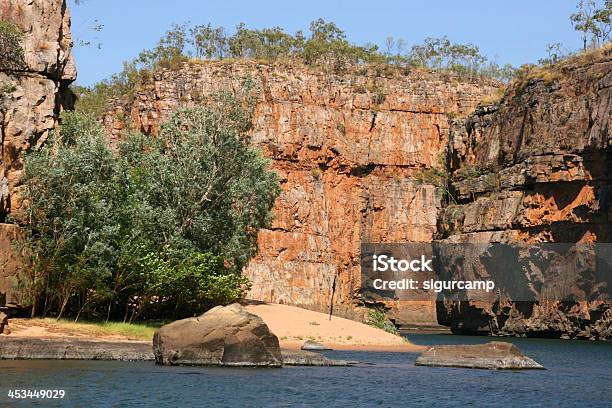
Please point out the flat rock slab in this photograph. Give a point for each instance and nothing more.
(495, 355)
(308, 358)
(15, 348)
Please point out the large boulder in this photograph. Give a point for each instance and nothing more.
(223, 336)
(495, 355)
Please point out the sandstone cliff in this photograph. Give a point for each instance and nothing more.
(347, 148)
(536, 167)
(34, 92)
(533, 168)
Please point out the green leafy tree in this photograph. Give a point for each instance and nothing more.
(324, 47)
(205, 187)
(593, 22)
(209, 42)
(441, 53)
(169, 51)
(554, 54)
(161, 228)
(73, 228)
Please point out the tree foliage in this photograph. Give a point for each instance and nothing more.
(324, 47)
(465, 59)
(377, 317)
(10, 47)
(161, 228)
(593, 21)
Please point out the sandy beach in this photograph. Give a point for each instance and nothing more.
(294, 326)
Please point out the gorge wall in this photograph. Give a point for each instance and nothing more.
(350, 148)
(540, 166)
(34, 90)
(347, 148)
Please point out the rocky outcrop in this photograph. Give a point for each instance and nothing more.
(10, 265)
(34, 91)
(30, 111)
(494, 355)
(347, 148)
(535, 168)
(223, 336)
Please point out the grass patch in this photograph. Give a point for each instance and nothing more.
(131, 331)
(551, 73)
(7, 88)
(494, 97)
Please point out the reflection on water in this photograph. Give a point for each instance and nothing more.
(579, 374)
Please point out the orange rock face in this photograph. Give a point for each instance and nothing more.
(544, 174)
(347, 148)
(29, 111)
(10, 265)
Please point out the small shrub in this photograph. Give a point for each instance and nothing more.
(451, 115)
(469, 172)
(379, 98)
(493, 98)
(377, 317)
(316, 173)
(436, 175)
(7, 87)
(10, 46)
(550, 77)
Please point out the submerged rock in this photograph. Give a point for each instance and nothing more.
(495, 355)
(314, 345)
(308, 358)
(223, 336)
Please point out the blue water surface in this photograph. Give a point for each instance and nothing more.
(579, 374)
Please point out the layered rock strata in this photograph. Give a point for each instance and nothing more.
(536, 168)
(347, 148)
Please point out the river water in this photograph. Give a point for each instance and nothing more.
(579, 374)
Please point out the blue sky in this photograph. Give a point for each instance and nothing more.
(515, 31)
